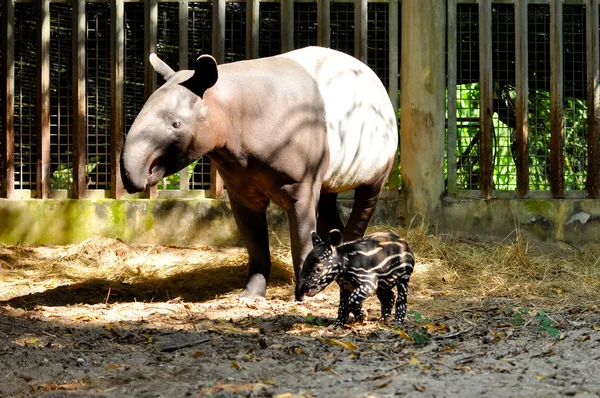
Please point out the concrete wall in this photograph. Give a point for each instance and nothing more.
(172, 221)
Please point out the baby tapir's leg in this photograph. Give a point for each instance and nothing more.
(352, 302)
(386, 298)
(401, 301)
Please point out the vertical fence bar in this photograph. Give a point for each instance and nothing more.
(324, 23)
(252, 25)
(7, 89)
(394, 58)
(79, 99)
(486, 101)
(117, 74)
(184, 174)
(287, 25)
(150, 40)
(360, 30)
(522, 82)
(593, 89)
(218, 52)
(43, 101)
(452, 127)
(557, 123)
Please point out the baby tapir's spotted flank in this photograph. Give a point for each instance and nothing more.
(377, 262)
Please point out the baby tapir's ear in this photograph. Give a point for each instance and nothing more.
(316, 239)
(335, 237)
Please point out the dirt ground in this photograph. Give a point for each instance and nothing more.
(106, 319)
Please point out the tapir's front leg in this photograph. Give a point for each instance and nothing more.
(252, 224)
(303, 220)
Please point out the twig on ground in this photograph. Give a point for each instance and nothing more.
(453, 334)
(184, 345)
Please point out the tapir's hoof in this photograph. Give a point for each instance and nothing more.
(256, 287)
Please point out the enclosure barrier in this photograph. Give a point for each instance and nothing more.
(80, 144)
(540, 55)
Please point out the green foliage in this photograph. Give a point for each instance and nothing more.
(419, 335)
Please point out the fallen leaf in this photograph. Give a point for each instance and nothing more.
(113, 366)
(586, 338)
(420, 388)
(198, 354)
(448, 349)
(540, 376)
(346, 344)
(32, 341)
(384, 384)
(403, 334)
(414, 361)
(236, 365)
(597, 328)
(298, 350)
(436, 328)
(284, 395)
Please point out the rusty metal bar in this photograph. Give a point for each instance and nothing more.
(593, 87)
(43, 101)
(557, 123)
(252, 28)
(184, 175)
(486, 101)
(323, 23)
(452, 73)
(7, 90)
(218, 47)
(287, 25)
(117, 81)
(79, 99)
(360, 29)
(150, 41)
(522, 82)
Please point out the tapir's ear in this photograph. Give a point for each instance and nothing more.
(335, 237)
(161, 67)
(315, 238)
(205, 75)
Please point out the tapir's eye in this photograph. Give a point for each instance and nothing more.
(176, 125)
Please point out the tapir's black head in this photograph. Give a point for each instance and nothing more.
(321, 265)
(171, 130)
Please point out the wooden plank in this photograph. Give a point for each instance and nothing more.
(218, 30)
(593, 87)
(394, 63)
(150, 40)
(486, 101)
(522, 130)
(252, 27)
(79, 100)
(43, 101)
(557, 125)
(287, 25)
(184, 175)
(324, 23)
(117, 92)
(218, 45)
(452, 75)
(360, 29)
(7, 90)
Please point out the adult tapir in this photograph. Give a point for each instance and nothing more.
(294, 129)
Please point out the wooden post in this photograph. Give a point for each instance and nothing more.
(287, 25)
(557, 124)
(43, 101)
(218, 46)
(394, 57)
(593, 89)
(360, 29)
(423, 103)
(117, 74)
(486, 166)
(252, 28)
(79, 100)
(452, 127)
(184, 175)
(324, 23)
(150, 40)
(7, 90)
(522, 131)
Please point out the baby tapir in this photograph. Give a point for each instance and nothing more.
(377, 262)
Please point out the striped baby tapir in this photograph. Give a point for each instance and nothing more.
(375, 263)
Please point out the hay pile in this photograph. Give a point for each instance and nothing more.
(463, 273)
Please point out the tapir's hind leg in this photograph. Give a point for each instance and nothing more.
(365, 200)
(328, 217)
(252, 225)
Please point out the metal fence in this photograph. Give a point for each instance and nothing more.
(523, 98)
(77, 74)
